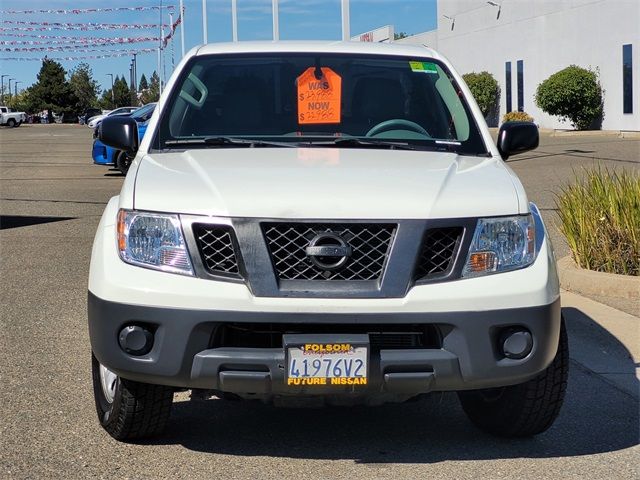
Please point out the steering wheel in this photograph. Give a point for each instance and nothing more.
(396, 124)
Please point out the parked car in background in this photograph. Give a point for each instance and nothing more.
(104, 155)
(10, 118)
(89, 114)
(95, 121)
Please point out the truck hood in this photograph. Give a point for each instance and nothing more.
(331, 183)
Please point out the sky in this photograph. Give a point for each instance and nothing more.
(298, 20)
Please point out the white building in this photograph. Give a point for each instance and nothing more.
(523, 42)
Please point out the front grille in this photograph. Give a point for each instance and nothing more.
(370, 244)
(438, 252)
(381, 337)
(216, 246)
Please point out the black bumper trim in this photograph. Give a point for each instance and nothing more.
(182, 357)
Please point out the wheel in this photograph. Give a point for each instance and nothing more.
(526, 409)
(18, 124)
(11, 123)
(396, 124)
(127, 409)
(123, 162)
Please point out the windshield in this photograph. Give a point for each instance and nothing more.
(318, 99)
(122, 110)
(143, 114)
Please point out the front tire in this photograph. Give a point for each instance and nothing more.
(123, 162)
(11, 123)
(129, 410)
(526, 409)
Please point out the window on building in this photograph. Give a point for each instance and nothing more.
(627, 79)
(507, 80)
(520, 86)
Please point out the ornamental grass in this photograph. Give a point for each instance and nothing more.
(600, 218)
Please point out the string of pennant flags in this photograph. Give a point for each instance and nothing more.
(84, 41)
(19, 35)
(78, 50)
(78, 11)
(80, 41)
(83, 26)
(83, 57)
(62, 48)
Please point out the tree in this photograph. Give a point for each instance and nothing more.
(143, 84)
(152, 94)
(19, 102)
(121, 92)
(573, 94)
(51, 91)
(485, 90)
(400, 35)
(106, 102)
(84, 87)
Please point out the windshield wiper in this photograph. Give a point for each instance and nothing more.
(228, 141)
(353, 142)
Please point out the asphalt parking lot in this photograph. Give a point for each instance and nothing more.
(51, 199)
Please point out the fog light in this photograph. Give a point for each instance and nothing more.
(516, 343)
(135, 340)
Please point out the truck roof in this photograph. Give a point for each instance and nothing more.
(316, 47)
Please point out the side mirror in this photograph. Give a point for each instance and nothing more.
(517, 137)
(120, 133)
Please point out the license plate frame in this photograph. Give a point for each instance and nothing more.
(337, 350)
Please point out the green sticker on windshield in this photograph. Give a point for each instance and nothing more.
(423, 67)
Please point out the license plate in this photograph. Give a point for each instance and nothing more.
(327, 363)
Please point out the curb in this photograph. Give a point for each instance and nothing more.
(589, 282)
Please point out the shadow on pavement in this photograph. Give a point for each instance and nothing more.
(597, 417)
(16, 221)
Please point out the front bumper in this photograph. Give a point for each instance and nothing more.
(183, 354)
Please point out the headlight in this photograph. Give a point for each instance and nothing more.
(501, 244)
(153, 240)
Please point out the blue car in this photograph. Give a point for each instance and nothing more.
(104, 155)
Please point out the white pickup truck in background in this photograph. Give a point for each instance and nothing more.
(11, 119)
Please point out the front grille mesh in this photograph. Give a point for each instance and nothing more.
(438, 252)
(370, 245)
(216, 246)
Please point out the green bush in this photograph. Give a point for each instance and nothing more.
(573, 94)
(517, 117)
(600, 218)
(485, 90)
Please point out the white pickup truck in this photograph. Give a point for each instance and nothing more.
(328, 223)
(11, 119)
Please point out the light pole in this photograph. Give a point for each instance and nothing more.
(276, 20)
(131, 82)
(346, 29)
(15, 88)
(112, 97)
(205, 38)
(2, 88)
(135, 73)
(10, 88)
(234, 20)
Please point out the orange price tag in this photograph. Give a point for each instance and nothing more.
(319, 99)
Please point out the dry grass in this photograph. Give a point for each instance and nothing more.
(600, 218)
